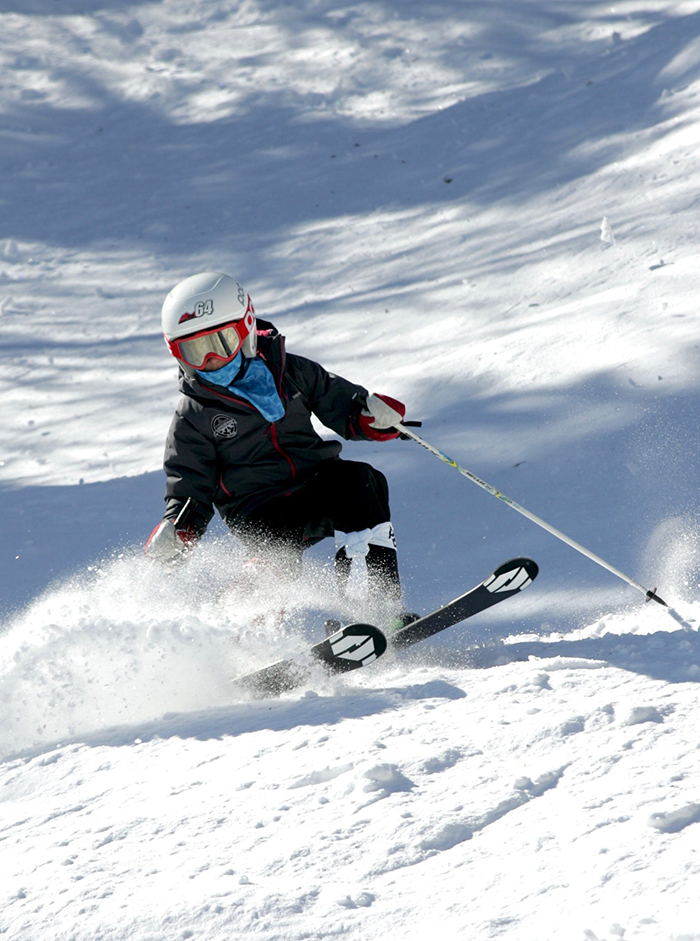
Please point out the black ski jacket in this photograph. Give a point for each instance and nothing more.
(221, 452)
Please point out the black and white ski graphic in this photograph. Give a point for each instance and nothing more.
(347, 649)
(507, 580)
(357, 645)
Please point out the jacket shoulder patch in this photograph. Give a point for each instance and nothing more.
(224, 426)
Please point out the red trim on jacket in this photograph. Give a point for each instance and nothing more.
(278, 447)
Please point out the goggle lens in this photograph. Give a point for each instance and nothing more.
(224, 343)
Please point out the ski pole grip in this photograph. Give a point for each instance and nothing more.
(409, 424)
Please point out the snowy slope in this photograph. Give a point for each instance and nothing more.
(486, 209)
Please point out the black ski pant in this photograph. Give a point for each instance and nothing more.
(345, 496)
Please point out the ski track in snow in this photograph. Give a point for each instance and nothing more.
(488, 210)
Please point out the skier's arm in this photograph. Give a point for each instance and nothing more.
(334, 400)
(190, 466)
(346, 408)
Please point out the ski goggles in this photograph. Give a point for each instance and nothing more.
(222, 342)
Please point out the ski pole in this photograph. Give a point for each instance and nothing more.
(649, 593)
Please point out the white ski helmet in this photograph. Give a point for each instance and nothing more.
(208, 315)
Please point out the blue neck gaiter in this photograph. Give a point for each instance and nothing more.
(256, 385)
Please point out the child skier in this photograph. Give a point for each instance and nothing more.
(242, 441)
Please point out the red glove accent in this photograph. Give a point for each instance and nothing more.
(187, 536)
(378, 419)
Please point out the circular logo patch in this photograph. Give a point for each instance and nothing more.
(224, 426)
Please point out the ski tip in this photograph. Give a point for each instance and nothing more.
(513, 575)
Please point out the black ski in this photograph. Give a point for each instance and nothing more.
(347, 649)
(357, 645)
(507, 580)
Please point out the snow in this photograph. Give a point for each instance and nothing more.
(485, 209)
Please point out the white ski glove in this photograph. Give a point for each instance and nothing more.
(379, 418)
(168, 544)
